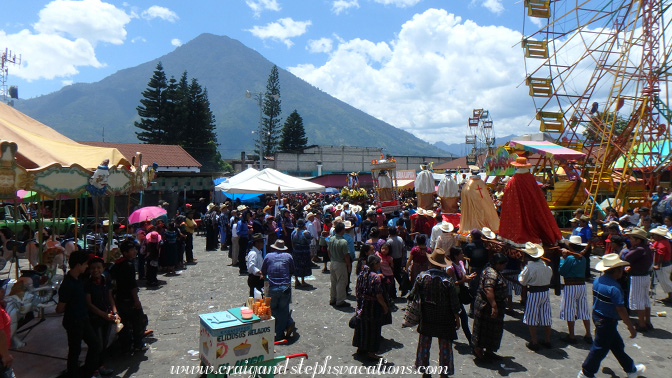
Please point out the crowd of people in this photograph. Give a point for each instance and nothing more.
(450, 274)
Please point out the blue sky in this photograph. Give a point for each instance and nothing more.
(421, 65)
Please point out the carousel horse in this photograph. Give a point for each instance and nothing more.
(27, 249)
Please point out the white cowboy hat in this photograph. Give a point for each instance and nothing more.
(210, 206)
(609, 261)
(534, 250)
(487, 232)
(638, 233)
(348, 225)
(430, 214)
(446, 227)
(575, 219)
(420, 211)
(279, 245)
(242, 207)
(306, 208)
(339, 207)
(576, 240)
(309, 215)
(660, 231)
(614, 223)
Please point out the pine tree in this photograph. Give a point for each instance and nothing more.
(293, 133)
(198, 135)
(153, 108)
(269, 135)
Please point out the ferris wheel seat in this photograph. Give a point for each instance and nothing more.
(535, 49)
(538, 8)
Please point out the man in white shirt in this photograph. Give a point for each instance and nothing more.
(537, 277)
(310, 227)
(255, 259)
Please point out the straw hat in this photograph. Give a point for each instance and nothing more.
(613, 223)
(257, 237)
(346, 204)
(534, 250)
(487, 232)
(242, 207)
(439, 258)
(348, 225)
(312, 202)
(585, 218)
(430, 214)
(356, 208)
(574, 220)
(660, 231)
(420, 211)
(306, 208)
(576, 240)
(521, 162)
(609, 261)
(446, 227)
(339, 207)
(309, 215)
(279, 245)
(638, 233)
(210, 206)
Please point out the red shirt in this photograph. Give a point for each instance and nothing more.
(663, 251)
(5, 322)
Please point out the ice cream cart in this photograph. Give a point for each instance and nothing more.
(227, 341)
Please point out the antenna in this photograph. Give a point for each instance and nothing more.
(7, 57)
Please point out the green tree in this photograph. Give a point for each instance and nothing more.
(197, 125)
(293, 134)
(592, 132)
(153, 109)
(178, 112)
(269, 135)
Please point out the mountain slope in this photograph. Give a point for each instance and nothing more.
(226, 68)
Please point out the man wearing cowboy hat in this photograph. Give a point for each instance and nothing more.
(640, 258)
(255, 260)
(573, 303)
(608, 307)
(340, 266)
(537, 277)
(662, 261)
(278, 267)
(583, 230)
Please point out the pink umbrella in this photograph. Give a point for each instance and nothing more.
(146, 214)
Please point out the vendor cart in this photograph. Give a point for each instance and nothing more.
(229, 343)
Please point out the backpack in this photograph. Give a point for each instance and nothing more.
(350, 216)
(207, 219)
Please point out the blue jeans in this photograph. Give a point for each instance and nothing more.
(606, 339)
(281, 296)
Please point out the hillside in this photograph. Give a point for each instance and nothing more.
(227, 68)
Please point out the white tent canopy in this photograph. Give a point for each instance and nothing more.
(266, 181)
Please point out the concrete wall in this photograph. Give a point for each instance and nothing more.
(342, 159)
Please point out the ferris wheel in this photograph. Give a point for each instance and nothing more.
(480, 138)
(597, 72)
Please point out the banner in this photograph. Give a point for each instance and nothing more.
(499, 164)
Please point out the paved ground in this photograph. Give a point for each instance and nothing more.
(323, 332)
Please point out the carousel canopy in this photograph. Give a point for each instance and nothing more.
(266, 181)
(40, 145)
(547, 149)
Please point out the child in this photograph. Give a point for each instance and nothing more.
(72, 304)
(102, 310)
(386, 267)
(364, 252)
(152, 256)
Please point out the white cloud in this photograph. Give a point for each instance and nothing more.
(428, 80)
(282, 30)
(65, 37)
(398, 3)
(92, 20)
(340, 6)
(259, 6)
(156, 11)
(322, 45)
(138, 39)
(494, 6)
(49, 56)
(176, 42)
(67, 82)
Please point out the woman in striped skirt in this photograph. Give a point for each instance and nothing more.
(640, 257)
(536, 276)
(573, 303)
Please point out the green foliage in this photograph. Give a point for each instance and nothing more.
(269, 135)
(179, 113)
(293, 133)
(225, 167)
(153, 109)
(618, 123)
